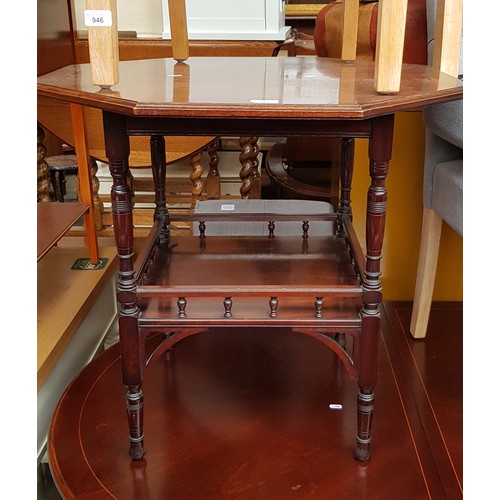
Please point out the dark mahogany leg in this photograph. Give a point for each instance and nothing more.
(346, 171)
(135, 405)
(380, 150)
(365, 411)
(159, 169)
(131, 342)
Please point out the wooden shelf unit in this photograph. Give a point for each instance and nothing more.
(54, 220)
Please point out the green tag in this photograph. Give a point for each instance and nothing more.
(86, 265)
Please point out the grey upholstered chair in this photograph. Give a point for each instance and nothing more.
(443, 170)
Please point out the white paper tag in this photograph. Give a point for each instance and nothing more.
(264, 101)
(227, 208)
(98, 18)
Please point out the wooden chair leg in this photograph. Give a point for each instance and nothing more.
(391, 24)
(426, 273)
(85, 185)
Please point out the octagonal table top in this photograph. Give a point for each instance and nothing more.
(250, 87)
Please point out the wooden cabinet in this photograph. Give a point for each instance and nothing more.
(233, 20)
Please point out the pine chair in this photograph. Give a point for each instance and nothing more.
(443, 169)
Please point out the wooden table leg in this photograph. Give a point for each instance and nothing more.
(86, 192)
(195, 176)
(159, 169)
(132, 344)
(43, 180)
(250, 181)
(380, 150)
(213, 176)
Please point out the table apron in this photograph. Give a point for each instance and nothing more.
(191, 126)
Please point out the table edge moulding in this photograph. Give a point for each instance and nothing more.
(276, 96)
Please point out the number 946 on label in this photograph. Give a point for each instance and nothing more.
(98, 18)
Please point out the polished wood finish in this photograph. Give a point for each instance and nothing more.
(430, 382)
(64, 298)
(235, 91)
(53, 221)
(248, 97)
(294, 178)
(235, 415)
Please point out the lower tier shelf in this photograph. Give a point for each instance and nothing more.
(230, 281)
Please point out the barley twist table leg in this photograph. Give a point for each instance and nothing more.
(213, 176)
(43, 180)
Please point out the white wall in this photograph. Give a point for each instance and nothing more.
(143, 16)
(221, 19)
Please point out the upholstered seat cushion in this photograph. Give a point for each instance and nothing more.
(446, 121)
(239, 228)
(443, 173)
(447, 193)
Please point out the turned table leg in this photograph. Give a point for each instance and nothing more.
(159, 168)
(131, 343)
(346, 171)
(380, 150)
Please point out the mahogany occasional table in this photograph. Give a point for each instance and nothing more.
(212, 96)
